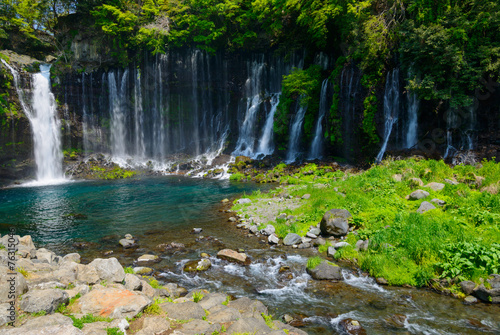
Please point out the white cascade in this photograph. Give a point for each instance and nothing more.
(316, 150)
(412, 128)
(266, 141)
(295, 132)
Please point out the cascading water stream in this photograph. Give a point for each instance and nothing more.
(117, 103)
(45, 124)
(412, 128)
(295, 132)
(265, 144)
(451, 123)
(391, 108)
(316, 150)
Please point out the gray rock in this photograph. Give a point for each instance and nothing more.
(45, 255)
(154, 325)
(482, 293)
(311, 235)
(435, 186)
(7, 313)
(6, 284)
(196, 230)
(438, 202)
(250, 326)
(494, 281)
(326, 271)
(108, 269)
(132, 283)
(27, 241)
(86, 274)
(80, 289)
(148, 259)
(451, 182)
(335, 222)
(224, 314)
(232, 219)
(331, 251)
(282, 216)
(467, 286)
(74, 257)
(339, 245)
(43, 300)
(289, 329)
(419, 194)
(273, 239)
(126, 243)
(47, 321)
(254, 229)
(362, 245)
(113, 302)
(470, 300)
(249, 308)
(244, 201)
(47, 285)
(198, 265)
(291, 239)
(58, 329)
(196, 327)
(314, 230)
(306, 196)
(306, 239)
(425, 206)
(147, 289)
(184, 311)
(416, 182)
(268, 230)
(212, 299)
(100, 327)
(304, 245)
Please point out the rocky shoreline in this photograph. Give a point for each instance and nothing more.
(53, 294)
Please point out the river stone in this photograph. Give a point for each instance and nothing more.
(470, 300)
(352, 327)
(311, 235)
(198, 265)
(291, 239)
(494, 281)
(314, 230)
(233, 256)
(326, 271)
(467, 286)
(148, 258)
(196, 231)
(244, 201)
(396, 321)
(273, 239)
(132, 282)
(254, 229)
(19, 284)
(113, 302)
(425, 206)
(435, 186)
(232, 219)
(196, 327)
(43, 300)
(129, 237)
(335, 222)
(142, 270)
(73, 257)
(268, 230)
(108, 269)
(331, 251)
(126, 243)
(419, 194)
(438, 202)
(184, 311)
(154, 325)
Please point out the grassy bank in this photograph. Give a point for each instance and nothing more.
(458, 241)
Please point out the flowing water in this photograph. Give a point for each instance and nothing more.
(391, 109)
(316, 150)
(165, 209)
(295, 132)
(412, 123)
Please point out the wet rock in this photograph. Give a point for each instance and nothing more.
(467, 286)
(244, 201)
(143, 270)
(199, 265)
(494, 281)
(108, 269)
(476, 324)
(435, 186)
(396, 321)
(43, 300)
(113, 302)
(438, 202)
(326, 271)
(232, 219)
(129, 237)
(250, 326)
(196, 230)
(470, 300)
(126, 243)
(419, 194)
(6, 284)
(352, 327)
(306, 196)
(224, 200)
(273, 239)
(482, 293)
(185, 310)
(109, 252)
(291, 239)
(233, 256)
(381, 281)
(148, 259)
(335, 222)
(425, 206)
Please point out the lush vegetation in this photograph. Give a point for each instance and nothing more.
(457, 241)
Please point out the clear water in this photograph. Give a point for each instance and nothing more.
(165, 209)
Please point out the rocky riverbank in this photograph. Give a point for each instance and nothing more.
(52, 294)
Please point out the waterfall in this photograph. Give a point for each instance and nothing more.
(265, 143)
(451, 124)
(140, 148)
(391, 108)
(45, 126)
(412, 128)
(316, 150)
(349, 84)
(246, 140)
(117, 104)
(295, 132)
(471, 128)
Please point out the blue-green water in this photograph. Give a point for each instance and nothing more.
(113, 208)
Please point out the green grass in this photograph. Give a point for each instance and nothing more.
(197, 296)
(114, 331)
(128, 269)
(313, 262)
(89, 318)
(405, 247)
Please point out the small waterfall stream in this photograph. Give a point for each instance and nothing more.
(45, 126)
(266, 142)
(412, 125)
(391, 109)
(316, 150)
(295, 132)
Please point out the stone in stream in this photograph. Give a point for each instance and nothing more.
(232, 219)
(129, 237)
(291, 239)
(326, 271)
(425, 206)
(268, 230)
(418, 194)
(352, 327)
(234, 256)
(335, 223)
(470, 300)
(143, 270)
(273, 239)
(148, 259)
(199, 265)
(396, 321)
(467, 286)
(339, 245)
(126, 243)
(196, 230)
(254, 229)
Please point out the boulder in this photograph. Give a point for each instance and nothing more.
(352, 327)
(58, 329)
(331, 251)
(425, 206)
(268, 230)
(199, 265)
(273, 239)
(43, 300)
(74, 257)
(435, 186)
(126, 243)
(47, 321)
(484, 294)
(291, 239)
(254, 229)
(86, 274)
(311, 235)
(27, 241)
(494, 281)
(326, 271)
(18, 285)
(470, 300)
(212, 299)
(467, 286)
(45, 255)
(142, 270)
(154, 325)
(224, 314)
(232, 219)
(233, 256)
(196, 327)
(147, 289)
(335, 222)
(249, 326)
(132, 282)
(113, 302)
(438, 202)
(108, 269)
(184, 311)
(419, 194)
(315, 230)
(248, 307)
(244, 201)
